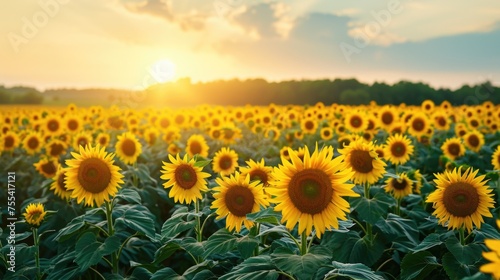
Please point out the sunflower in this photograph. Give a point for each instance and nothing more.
(47, 167)
(310, 191)
(32, 143)
(52, 125)
(235, 197)
(493, 256)
(10, 141)
(417, 179)
(356, 122)
(474, 140)
(387, 117)
(230, 133)
(398, 149)
(399, 187)
(418, 124)
(82, 138)
(453, 148)
(150, 135)
(441, 120)
(35, 212)
(326, 133)
(379, 149)
(186, 180)
(309, 125)
(128, 148)
(72, 123)
(225, 161)
(344, 141)
(59, 186)
(284, 152)
(91, 176)
(55, 148)
(173, 149)
(461, 199)
(197, 145)
(273, 133)
(428, 105)
(364, 161)
(257, 171)
(102, 139)
(495, 159)
(460, 129)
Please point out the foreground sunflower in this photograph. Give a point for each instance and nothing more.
(128, 148)
(461, 200)
(35, 212)
(310, 191)
(225, 161)
(399, 187)
(493, 256)
(197, 145)
(91, 176)
(186, 180)
(398, 149)
(257, 171)
(235, 197)
(453, 148)
(364, 161)
(59, 186)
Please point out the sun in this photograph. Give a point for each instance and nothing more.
(163, 71)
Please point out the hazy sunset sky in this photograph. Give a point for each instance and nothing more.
(117, 43)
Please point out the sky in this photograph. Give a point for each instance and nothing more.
(130, 44)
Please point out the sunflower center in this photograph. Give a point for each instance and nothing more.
(311, 191)
(454, 149)
(225, 162)
(259, 175)
(60, 182)
(326, 133)
(441, 121)
(387, 117)
(195, 147)
(73, 125)
(461, 199)
(128, 147)
(216, 134)
(361, 161)
(473, 140)
(418, 124)
(9, 142)
(228, 134)
(35, 215)
(399, 184)
(474, 123)
(33, 143)
(398, 149)
(239, 201)
(103, 141)
(56, 149)
(94, 175)
(309, 125)
(185, 176)
(53, 125)
(48, 168)
(344, 142)
(356, 122)
(82, 141)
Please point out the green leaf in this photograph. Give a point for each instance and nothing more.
(140, 273)
(354, 271)
(143, 174)
(303, 267)
(90, 251)
(202, 163)
(167, 273)
(457, 270)
(366, 252)
(281, 229)
(178, 223)
(418, 265)
(399, 230)
(374, 209)
(73, 227)
(136, 218)
(220, 242)
(255, 268)
(468, 254)
(205, 275)
(429, 241)
(246, 246)
(129, 195)
(165, 251)
(486, 232)
(267, 215)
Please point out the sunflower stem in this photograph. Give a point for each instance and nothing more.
(111, 232)
(135, 180)
(398, 207)
(199, 236)
(462, 235)
(257, 231)
(303, 243)
(369, 233)
(37, 253)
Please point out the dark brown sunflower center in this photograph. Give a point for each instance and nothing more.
(56, 149)
(185, 176)
(344, 142)
(309, 125)
(239, 200)
(454, 149)
(398, 149)
(387, 117)
(53, 125)
(228, 134)
(441, 121)
(164, 123)
(216, 134)
(371, 125)
(259, 175)
(380, 153)
(82, 141)
(225, 162)
(361, 161)
(49, 168)
(33, 143)
(73, 125)
(418, 124)
(326, 133)
(8, 142)
(399, 184)
(311, 191)
(128, 147)
(60, 182)
(474, 123)
(356, 121)
(94, 175)
(195, 147)
(179, 119)
(473, 140)
(461, 199)
(103, 141)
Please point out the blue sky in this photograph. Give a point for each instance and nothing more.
(116, 43)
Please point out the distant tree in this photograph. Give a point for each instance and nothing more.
(355, 97)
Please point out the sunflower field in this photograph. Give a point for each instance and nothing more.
(253, 192)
